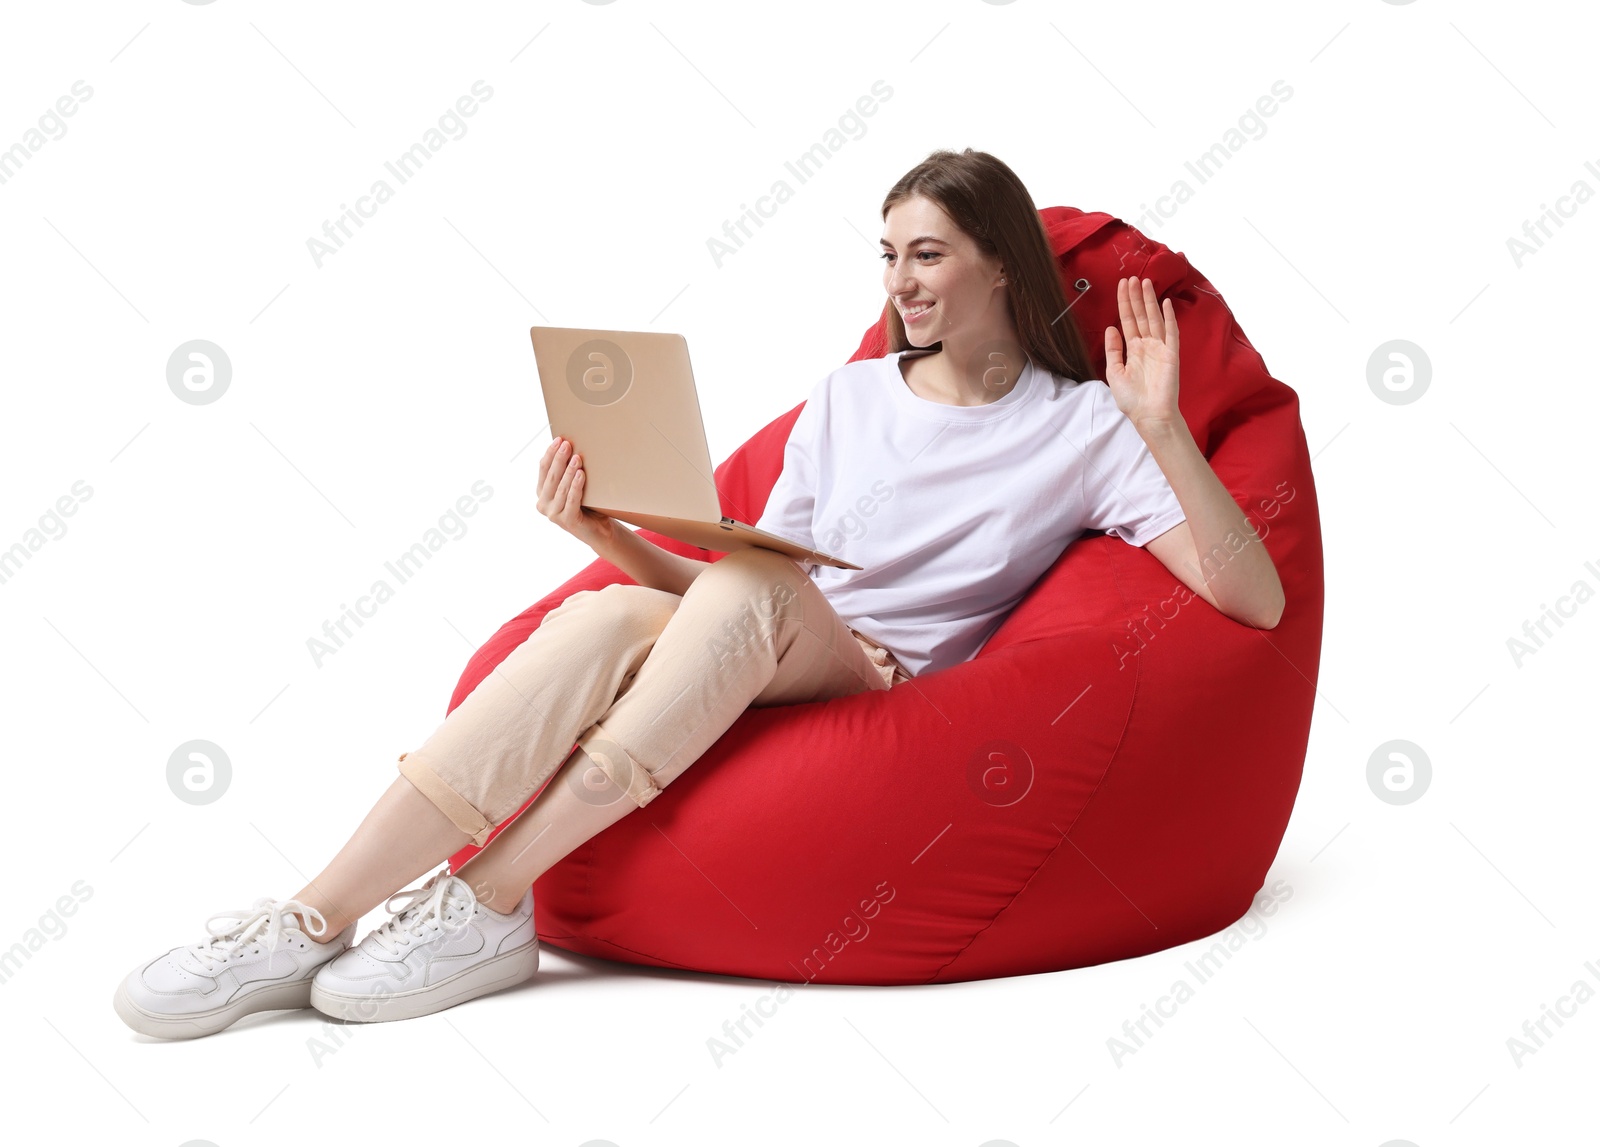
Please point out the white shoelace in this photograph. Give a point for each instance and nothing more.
(262, 922)
(423, 904)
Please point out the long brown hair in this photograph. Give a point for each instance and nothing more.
(986, 200)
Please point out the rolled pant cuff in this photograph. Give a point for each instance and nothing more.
(613, 760)
(461, 811)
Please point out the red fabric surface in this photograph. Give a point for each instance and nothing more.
(1072, 795)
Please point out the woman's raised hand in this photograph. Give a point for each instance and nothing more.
(1146, 384)
(561, 480)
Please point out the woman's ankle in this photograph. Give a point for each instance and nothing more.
(487, 890)
(331, 930)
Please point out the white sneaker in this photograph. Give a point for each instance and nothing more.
(440, 949)
(257, 962)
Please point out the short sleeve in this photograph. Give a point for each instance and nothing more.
(791, 504)
(1125, 492)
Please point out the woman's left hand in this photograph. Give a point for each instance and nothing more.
(1145, 386)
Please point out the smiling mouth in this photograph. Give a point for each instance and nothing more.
(913, 314)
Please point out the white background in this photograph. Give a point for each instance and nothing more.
(369, 394)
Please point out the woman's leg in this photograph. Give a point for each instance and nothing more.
(752, 629)
(515, 728)
(578, 803)
(403, 836)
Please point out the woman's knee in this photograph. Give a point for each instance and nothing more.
(752, 571)
(621, 603)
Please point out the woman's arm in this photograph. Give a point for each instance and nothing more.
(560, 489)
(1236, 573)
(647, 563)
(1142, 371)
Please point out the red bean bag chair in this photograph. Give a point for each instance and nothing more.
(1110, 776)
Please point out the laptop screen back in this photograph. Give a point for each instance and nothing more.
(627, 401)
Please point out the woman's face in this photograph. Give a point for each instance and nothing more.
(933, 267)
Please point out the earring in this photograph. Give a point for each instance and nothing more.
(1002, 279)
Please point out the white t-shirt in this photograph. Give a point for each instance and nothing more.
(955, 511)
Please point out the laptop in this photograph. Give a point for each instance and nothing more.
(627, 401)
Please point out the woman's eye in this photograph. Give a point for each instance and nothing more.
(889, 255)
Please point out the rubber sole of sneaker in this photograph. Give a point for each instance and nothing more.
(196, 1024)
(494, 974)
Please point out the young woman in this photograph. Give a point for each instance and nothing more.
(954, 470)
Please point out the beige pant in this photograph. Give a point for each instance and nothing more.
(644, 681)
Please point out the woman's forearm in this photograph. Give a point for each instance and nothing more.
(649, 564)
(1246, 584)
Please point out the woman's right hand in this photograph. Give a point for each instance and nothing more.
(561, 483)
